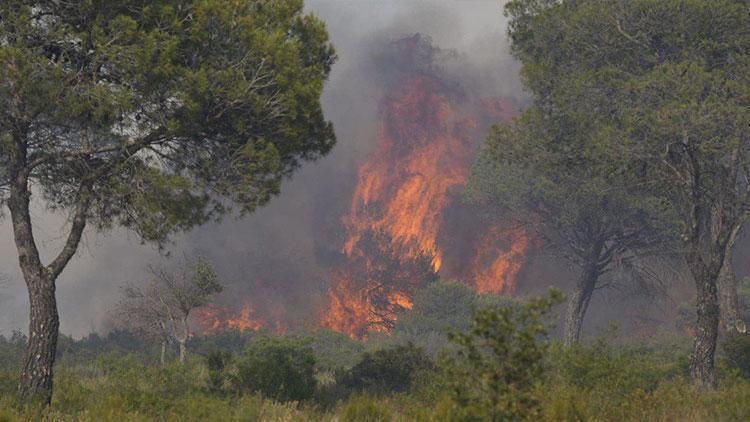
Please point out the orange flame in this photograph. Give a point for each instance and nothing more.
(399, 228)
(350, 311)
(404, 188)
(213, 319)
(424, 155)
(504, 264)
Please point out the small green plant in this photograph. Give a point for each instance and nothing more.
(394, 369)
(498, 363)
(282, 369)
(218, 362)
(736, 348)
(365, 409)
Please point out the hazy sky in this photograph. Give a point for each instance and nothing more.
(89, 286)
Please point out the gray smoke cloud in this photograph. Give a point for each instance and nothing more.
(276, 253)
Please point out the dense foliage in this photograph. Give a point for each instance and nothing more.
(648, 98)
(281, 369)
(389, 370)
(439, 308)
(154, 116)
(498, 358)
(499, 361)
(603, 381)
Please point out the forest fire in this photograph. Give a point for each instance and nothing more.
(214, 319)
(407, 224)
(504, 263)
(429, 133)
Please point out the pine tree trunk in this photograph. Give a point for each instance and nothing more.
(578, 303)
(183, 351)
(702, 369)
(184, 339)
(579, 299)
(163, 356)
(728, 298)
(39, 356)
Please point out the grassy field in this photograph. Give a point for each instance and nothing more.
(597, 382)
(497, 362)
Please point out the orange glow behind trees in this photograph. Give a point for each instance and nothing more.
(427, 143)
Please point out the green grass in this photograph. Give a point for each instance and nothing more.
(594, 383)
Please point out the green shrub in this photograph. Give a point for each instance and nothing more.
(498, 364)
(8, 382)
(11, 350)
(219, 377)
(70, 395)
(365, 409)
(620, 370)
(387, 370)
(333, 350)
(736, 347)
(280, 368)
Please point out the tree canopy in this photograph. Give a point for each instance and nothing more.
(158, 110)
(156, 116)
(663, 85)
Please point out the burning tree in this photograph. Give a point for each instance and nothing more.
(214, 318)
(377, 283)
(153, 116)
(161, 308)
(403, 192)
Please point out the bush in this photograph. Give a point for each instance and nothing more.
(218, 375)
(737, 352)
(365, 409)
(498, 363)
(333, 350)
(280, 368)
(11, 350)
(232, 340)
(620, 370)
(438, 308)
(387, 370)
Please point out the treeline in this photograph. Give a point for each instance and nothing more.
(632, 160)
(489, 359)
(440, 308)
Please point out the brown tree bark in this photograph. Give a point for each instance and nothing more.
(44, 322)
(183, 351)
(706, 248)
(579, 299)
(184, 339)
(163, 356)
(702, 369)
(729, 305)
(39, 355)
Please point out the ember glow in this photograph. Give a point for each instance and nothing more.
(495, 266)
(429, 133)
(378, 281)
(212, 319)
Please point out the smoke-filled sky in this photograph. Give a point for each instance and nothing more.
(273, 253)
(276, 257)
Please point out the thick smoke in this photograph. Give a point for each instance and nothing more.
(277, 257)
